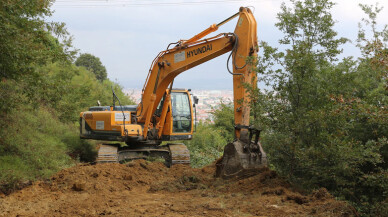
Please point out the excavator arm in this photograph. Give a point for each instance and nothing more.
(190, 53)
(243, 155)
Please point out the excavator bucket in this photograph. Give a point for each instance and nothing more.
(241, 160)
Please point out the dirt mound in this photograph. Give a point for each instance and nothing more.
(141, 188)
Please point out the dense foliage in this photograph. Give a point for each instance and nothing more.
(26, 38)
(206, 146)
(41, 95)
(210, 138)
(325, 120)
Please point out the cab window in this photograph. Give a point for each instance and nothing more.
(181, 112)
(159, 109)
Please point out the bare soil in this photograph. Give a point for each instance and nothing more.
(142, 188)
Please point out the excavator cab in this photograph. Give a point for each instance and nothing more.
(179, 120)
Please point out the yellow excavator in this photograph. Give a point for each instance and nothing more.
(166, 113)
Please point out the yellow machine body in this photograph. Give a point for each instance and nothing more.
(108, 123)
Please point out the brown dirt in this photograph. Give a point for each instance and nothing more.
(141, 188)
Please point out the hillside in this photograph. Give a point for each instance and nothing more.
(142, 188)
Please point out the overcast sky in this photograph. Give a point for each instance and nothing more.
(127, 34)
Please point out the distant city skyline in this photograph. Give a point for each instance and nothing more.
(208, 99)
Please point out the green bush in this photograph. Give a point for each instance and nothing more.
(39, 121)
(207, 145)
(69, 90)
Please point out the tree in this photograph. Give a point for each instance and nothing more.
(41, 95)
(26, 38)
(93, 64)
(296, 94)
(326, 120)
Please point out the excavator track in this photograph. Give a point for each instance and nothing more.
(107, 153)
(171, 153)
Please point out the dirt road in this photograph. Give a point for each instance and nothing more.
(142, 188)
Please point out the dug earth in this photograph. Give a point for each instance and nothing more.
(142, 188)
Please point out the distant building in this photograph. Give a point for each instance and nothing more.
(208, 99)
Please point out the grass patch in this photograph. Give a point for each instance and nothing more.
(35, 145)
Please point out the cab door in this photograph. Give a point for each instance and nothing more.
(182, 115)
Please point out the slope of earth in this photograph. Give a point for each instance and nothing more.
(141, 188)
